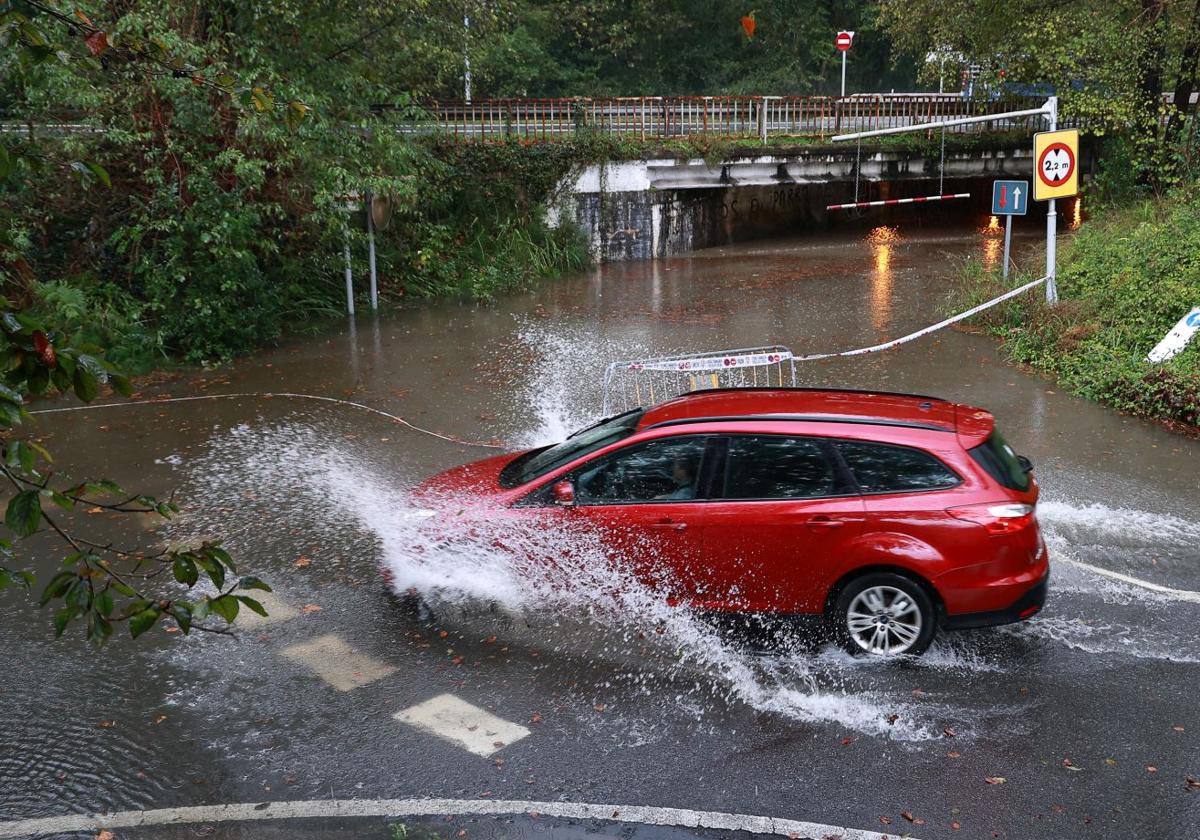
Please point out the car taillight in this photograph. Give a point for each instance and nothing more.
(1001, 518)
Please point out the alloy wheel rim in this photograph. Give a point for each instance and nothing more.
(884, 621)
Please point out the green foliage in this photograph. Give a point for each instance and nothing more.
(1124, 279)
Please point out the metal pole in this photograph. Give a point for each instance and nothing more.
(349, 277)
(1007, 242)
(926, 126)
(844, 71)
(1051, 219)
(466, 58)
(371, 251)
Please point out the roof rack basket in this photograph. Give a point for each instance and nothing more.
(637, 382)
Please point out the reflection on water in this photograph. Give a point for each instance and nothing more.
(882, 239)
(992, 244)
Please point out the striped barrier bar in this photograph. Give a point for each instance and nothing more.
(889, 201)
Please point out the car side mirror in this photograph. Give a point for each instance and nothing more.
(564, 494)
(1026, 464)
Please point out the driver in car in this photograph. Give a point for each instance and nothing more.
(683, 473)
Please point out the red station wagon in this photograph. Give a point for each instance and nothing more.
(889, 515)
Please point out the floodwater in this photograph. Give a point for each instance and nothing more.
(627, 699)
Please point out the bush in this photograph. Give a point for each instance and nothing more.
(1124, 280)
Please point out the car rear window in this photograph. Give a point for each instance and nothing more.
(881, 468)
(777, 467)
(997, 457)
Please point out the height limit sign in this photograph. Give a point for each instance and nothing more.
(1055, 164)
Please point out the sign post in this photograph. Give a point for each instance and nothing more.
(1009, 198)
(845, 39)
(1055, 176)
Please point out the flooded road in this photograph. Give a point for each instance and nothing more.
(1087, 713)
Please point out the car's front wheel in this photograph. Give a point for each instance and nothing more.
(884, 614)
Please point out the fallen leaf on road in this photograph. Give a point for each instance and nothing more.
(948, 731)
(995, 780)
(956, 825)
(1111, 762)
(302, 561)
(1067, 763)
(1150, 768)
(1177, 728)
(953, 754)
(536, 717)
(307, 609)
(1192, 783)
(600, 707)
(886, 820)
(847, 742)
(105, 835)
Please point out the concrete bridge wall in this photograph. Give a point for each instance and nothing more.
(647, 209)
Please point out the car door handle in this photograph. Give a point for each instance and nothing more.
(669, 524)
(824, 523)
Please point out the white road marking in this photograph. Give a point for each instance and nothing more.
(334, 661)
(343, 808)
(1177, 594)
(277, 610)
(470, 727)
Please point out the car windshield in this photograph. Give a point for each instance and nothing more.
(538, 463)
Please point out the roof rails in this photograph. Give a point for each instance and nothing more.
(810, 388)
(803, 418)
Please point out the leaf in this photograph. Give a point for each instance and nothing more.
(97, 42)
(225, 606)
(294, 116)
(182, 613)
(995, 780)
(185, 571)
(62, 618)
(142, 621)
(251, 582)
(100, 173)
(262, 99)
(24, 513)
(87, 386)
(254, 605)
(57, 586)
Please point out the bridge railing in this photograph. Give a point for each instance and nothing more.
(650, 117)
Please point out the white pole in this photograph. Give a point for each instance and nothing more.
(349, 277)
(1051, 220)
(1007, 242)
(371, 251)
(844, 72)
(466, 58)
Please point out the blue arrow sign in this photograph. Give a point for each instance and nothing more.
(1010, 198)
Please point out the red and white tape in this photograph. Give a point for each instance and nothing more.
(888, 345)
(889, 201)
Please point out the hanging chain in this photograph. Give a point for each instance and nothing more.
(857, 167)
(942, 166)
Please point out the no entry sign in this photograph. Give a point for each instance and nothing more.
(844, 40)
(1055, 164)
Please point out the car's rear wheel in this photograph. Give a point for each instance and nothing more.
(884, 614)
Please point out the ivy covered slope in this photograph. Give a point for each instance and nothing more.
(1125, 279)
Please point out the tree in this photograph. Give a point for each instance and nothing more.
(1107, 61)
(100, 585)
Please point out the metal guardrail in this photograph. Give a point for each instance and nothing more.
(649, 117)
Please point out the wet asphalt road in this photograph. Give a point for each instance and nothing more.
(1088, 713)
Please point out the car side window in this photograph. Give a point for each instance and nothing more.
(881, 468)
(777, 467)
(661, 470)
